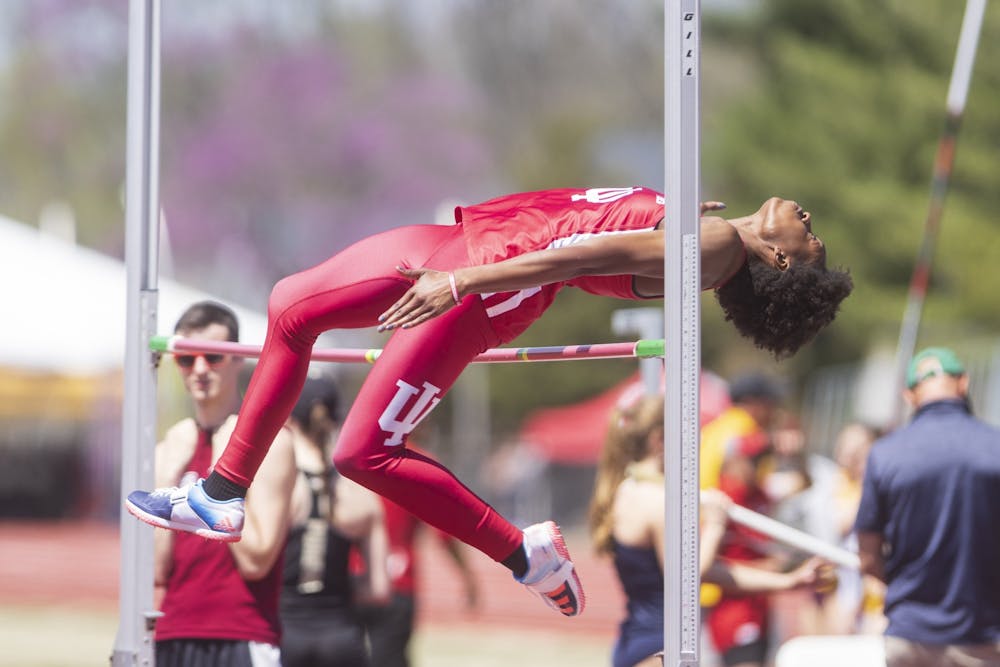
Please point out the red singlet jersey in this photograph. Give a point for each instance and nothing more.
(206, 597)
(418, 365)
(515, 224)
(512, 225)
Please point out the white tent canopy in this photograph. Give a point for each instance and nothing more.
(64, 305)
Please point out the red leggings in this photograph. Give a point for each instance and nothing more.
(416, 368)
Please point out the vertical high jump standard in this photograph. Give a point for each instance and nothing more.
(136, 615)
(958, 91)
(682, 352)
(134, 640)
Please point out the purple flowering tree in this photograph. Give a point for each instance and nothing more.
(277, 155)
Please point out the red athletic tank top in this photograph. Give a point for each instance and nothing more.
(206, 598)
(514, 224)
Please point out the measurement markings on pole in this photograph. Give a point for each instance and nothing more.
(690, 432)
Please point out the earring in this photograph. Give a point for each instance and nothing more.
(780, 259)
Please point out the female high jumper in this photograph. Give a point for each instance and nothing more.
(448, 293)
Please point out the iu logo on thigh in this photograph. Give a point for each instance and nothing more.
(390, 422)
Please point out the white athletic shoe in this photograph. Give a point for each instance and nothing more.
(551, 574)
(187, 508)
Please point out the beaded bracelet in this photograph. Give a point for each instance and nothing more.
(454, 287)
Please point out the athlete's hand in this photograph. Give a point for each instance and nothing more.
(707, 206)
(816, 573)
(429, 296)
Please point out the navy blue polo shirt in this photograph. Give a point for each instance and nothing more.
(932, 489)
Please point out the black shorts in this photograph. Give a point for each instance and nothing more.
(389, 630)
(752, 652)
(215, 653)
(322, 640)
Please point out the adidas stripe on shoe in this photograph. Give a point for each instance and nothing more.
(551, 574)
(189, 509)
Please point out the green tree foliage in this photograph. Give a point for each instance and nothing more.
(839, 104)
(282, 141)
(843, 110)
(286, 137)
(293, 147)
(62, 118)
(575, 98)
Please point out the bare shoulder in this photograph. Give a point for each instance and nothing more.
(173, 453)
(359, 497)
(640, 498)
(282, 450)
(637, 511)
(712, 226)
(642, 489)
(358, 511)
(222, 434)
(721, 250)
(183, 433)
(284, 439)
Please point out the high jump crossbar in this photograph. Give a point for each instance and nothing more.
(780, 532)
(641, 349)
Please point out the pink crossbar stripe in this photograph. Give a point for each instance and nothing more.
(347, 355)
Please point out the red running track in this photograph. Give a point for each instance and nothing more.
(76, 564)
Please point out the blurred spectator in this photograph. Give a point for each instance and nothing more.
(330, 514)
(798, 486)
(220, 601)
(514, 477)
(627, 522)
(851, 449)
(784, 471)
(741, 430)
(389, 627)
(927, 523)
(735, 577)
(799, 483)
(732, 446)
(856, 605)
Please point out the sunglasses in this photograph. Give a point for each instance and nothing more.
(187, 360)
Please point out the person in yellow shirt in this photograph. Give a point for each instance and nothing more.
(857, 604)
(741, 429)
(731, 445)
(627, 524)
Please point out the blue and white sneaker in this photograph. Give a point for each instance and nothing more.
(551, 574)
(189, 509)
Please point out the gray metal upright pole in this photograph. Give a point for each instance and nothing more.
(958, 91)
(134, 641)
(682, 290)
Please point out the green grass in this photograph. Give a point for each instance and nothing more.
(33, 636)
(56, 637)
(482, 646)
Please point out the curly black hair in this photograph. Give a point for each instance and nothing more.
(780, 311)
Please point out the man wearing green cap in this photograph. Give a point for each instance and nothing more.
(930, 362)
(927, 523)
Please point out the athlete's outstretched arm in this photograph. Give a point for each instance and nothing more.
(637, 253)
